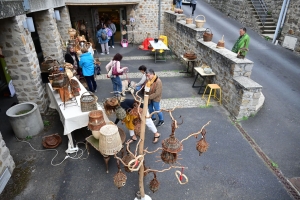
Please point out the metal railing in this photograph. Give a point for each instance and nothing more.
(261, 10)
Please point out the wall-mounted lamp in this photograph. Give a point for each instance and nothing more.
(28, 24)
(56, 15)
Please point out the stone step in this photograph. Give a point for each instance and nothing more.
(267, 27)
(268, 31)
(268, 35)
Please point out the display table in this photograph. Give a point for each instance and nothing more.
(203, 75)
(188, 64)
(70, 114)
(159, 46)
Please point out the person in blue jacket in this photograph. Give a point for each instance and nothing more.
(87, 64)
(103, 39)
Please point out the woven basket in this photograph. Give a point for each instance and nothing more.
(109, 140)
(48, 64)
(207, 35)
(200, 23)
(96, 116)
(75, 88)
(59, 80)
(189, 20)
(88, 102)
(190, 55)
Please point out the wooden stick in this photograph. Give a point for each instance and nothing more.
(197, 133)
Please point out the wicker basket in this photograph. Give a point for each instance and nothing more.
(88, 102)
(96, 117)
(200, 22)
(75, 87)
(207, 35)
(48, 64)
(59, 80)
(190, 55)
(109, 140)
(189, 20)
(72, 32)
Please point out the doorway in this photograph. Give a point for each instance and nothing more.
(116, 14)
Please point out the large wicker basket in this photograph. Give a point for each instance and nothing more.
(109, 140)
(200, 22)
(88, 102)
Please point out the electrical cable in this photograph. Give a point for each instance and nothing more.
(75, 157)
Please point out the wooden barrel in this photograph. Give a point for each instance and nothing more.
(109, 140)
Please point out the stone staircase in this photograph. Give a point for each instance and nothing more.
(264, 20)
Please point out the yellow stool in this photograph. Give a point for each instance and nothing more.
(213, 93)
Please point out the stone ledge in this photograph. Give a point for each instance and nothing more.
(225, 52)
(247, 83)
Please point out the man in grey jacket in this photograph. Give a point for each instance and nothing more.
(112, 27)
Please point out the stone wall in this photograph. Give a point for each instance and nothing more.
(238, 10)
(64, 24)
(48, 34)
(291, 25)
(240, 94)
(145, 14)
(22, 63)
(6, 160)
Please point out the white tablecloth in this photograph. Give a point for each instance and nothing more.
(70, 115)
(159, 45)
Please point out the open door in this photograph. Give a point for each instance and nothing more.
(122, 24)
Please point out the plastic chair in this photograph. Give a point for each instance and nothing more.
(213, 92)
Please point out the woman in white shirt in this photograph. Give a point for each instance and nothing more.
(143, 70)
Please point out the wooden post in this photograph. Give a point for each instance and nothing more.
(141, 145)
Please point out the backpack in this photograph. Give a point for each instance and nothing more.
(103, 35)
(109, 32)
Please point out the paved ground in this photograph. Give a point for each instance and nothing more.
(232, 168)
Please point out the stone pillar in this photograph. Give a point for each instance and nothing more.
(6, 160)
(64, 24)
(22, 62)
(49, 35)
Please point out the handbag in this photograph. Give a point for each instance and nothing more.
(115, 71)
(88, 102)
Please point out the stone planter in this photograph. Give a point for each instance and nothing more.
(25, 119)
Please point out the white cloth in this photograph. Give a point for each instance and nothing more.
(70, 115)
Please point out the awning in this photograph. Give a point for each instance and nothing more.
(103, 2)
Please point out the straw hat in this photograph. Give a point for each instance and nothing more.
(51, 141)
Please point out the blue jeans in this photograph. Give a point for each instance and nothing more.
(117, 84)
(178, 4)
(111, 42)
(137, 88)
(155, 106)
(90, 80)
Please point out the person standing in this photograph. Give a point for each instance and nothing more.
(143, 70)
(193, 5)
(154, 89)
(128, 105)
(178, 4)
(115, 79)
(241, 45)
(112, 27)
(71, 57)
(174, 4)
(87, 64)
(103, 39)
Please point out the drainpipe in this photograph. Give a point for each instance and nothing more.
(279, 21)
(159, 12)
(284, 15)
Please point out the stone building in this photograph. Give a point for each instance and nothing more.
(243, 11)
(24, 48)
